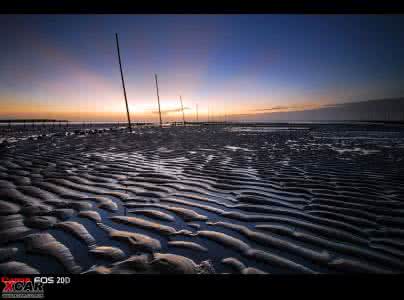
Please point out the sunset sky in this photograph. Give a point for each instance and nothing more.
(65, 66)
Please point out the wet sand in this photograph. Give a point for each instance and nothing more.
(203, 199)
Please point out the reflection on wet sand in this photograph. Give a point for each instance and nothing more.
(203, 199)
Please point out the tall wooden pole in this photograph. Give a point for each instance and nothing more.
(182, 108)
(197, 117)
(123, 83)
(158, 99)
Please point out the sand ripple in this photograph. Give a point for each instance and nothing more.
(199, 200)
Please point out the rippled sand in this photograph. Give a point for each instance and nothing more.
(208, 199)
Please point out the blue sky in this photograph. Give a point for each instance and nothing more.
(66, 64)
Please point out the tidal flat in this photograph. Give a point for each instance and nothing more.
(310, 198)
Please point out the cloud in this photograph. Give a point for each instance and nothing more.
(294, 107)
(379, 109)
(273, 108)
(167, 111)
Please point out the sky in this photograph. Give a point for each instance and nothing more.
(66, 66)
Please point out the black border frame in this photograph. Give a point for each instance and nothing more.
(202, 7)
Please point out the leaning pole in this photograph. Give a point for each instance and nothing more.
(123, 83)
(158, 99)
(182, 108)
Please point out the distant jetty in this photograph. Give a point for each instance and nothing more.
(33, 121)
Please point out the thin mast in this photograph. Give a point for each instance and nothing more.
(123, 83)
(182, 108)
(158, 99)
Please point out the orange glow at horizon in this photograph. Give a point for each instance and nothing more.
(76, 93)
(141, 112)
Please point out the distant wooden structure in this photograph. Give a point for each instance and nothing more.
(23, 122)
(33, 121)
